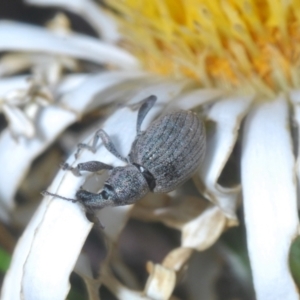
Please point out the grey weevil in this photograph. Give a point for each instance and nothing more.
(161, 158)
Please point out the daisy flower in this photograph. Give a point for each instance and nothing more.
(235, 63)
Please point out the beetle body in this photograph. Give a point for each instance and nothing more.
(171, 149)
(160, 159)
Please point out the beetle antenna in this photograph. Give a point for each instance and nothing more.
(46, 193)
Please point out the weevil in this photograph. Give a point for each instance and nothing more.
(161, 158)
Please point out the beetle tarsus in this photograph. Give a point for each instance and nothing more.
(75, 171)
(46, 193)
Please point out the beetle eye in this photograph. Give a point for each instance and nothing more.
(104, 194)
(107, 191)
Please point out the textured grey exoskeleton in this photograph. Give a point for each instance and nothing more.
(161, 158)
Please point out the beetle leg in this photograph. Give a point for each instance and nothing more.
(143, 111)
(92, 148)
(90, 166)
(46, 193)
(107, 142)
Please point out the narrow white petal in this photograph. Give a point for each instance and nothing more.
(32, 38)
(69, 83)
(92, 13)
(19, 124)
(269, 190)
(227, 115)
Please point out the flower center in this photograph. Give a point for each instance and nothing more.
(247, 45)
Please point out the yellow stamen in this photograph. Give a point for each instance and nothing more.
(235, 44)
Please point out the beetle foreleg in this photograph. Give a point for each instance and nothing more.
(107, 142)
(143, 111)
(90, 166)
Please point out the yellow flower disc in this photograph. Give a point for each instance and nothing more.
(250, 45)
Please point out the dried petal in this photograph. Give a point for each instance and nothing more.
(203, 231)
(160, 283)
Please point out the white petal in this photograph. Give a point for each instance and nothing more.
(19, 124)
(92, 13)
(227, 115)
(196, 98)
(95, 86)
(32, 38)
(70, 82)
(9, 84)
(269, 190)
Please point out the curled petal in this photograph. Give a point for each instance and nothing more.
(227, 115)
(161, 282)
